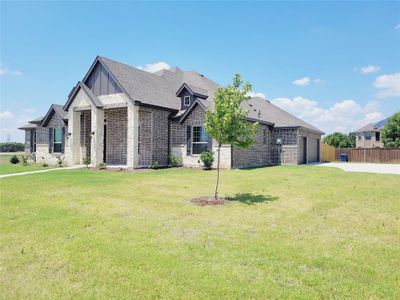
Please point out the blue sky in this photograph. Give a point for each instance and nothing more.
(334, 64)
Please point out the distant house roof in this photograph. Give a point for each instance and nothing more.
(374, 126)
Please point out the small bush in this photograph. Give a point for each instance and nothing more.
(102, 166)
(86, 162)
(14, 160)
(174, 161)
(207, 158)
(24, 160)
(44, 163)
(60, 161)
(154, 165)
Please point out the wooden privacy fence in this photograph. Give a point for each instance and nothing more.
(371, 155)
(327, 152)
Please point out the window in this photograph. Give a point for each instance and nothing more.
(368, 136)
(359, 136)
(57, 140)
(33, 141)
(377, 136)
(200, 140)
(264, 136)
(186, 100)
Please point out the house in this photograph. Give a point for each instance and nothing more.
(124, 116)
(369, 136)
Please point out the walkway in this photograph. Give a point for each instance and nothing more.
(364, 167)
(39, 171)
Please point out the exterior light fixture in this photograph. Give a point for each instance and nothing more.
(278, 141)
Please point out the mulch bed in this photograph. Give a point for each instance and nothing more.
(203, 201)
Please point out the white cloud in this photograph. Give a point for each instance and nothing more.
(302, 81)
(397, 27)
(5, 71)
(152, 68)
(30, 110)
(6, 115)
(343, 116)
(389, 85)
(318, 81)
(368, 69)
(253, 94)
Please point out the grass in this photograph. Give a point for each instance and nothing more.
(7, 168)
(290, 232)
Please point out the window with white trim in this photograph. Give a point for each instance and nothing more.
(57, 140)
(368, 135)
(200, 140)
(186, 100)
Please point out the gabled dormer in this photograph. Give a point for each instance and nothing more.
(189, 93)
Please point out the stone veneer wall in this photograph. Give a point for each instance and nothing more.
(257, 155)
(178, 141)
(116, 135)
(153, 136)
(287, 153)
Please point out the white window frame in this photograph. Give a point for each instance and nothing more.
(193, 142)
(184, 100)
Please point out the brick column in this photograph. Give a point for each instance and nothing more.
(73, 135)
(132, 136)
(97, 136)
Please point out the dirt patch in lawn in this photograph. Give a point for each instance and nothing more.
(203, 201)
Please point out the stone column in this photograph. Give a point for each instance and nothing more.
(73, 139)
(132, 136)
(97, 136)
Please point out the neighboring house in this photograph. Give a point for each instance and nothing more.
(124, 116)
(369, 136)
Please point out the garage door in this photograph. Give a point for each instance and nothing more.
(313, 150)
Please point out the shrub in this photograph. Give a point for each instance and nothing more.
(102, 166)
(207, 158)
(24, 160)
(86, 162)
(154, 165)
(14, 159)
(11, 147)
(44, 163)
(60, 161)
(174, 161)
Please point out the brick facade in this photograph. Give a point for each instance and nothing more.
(287, 152)
(116, 135)
(153, 136)
(257, 155)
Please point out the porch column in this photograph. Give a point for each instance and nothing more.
(73, 135)
(132, 139)
(97, 136)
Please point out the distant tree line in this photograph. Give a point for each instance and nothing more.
(340, 140)
(11, 147)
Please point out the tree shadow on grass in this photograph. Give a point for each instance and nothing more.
(251, 199)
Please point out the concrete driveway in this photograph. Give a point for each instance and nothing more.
(364, 167)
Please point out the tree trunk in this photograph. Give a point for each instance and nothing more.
(216, 186)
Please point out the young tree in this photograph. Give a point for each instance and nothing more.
(391, 131)
(228, 124)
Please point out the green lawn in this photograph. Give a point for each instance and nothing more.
(293, 232)
(7, 168)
